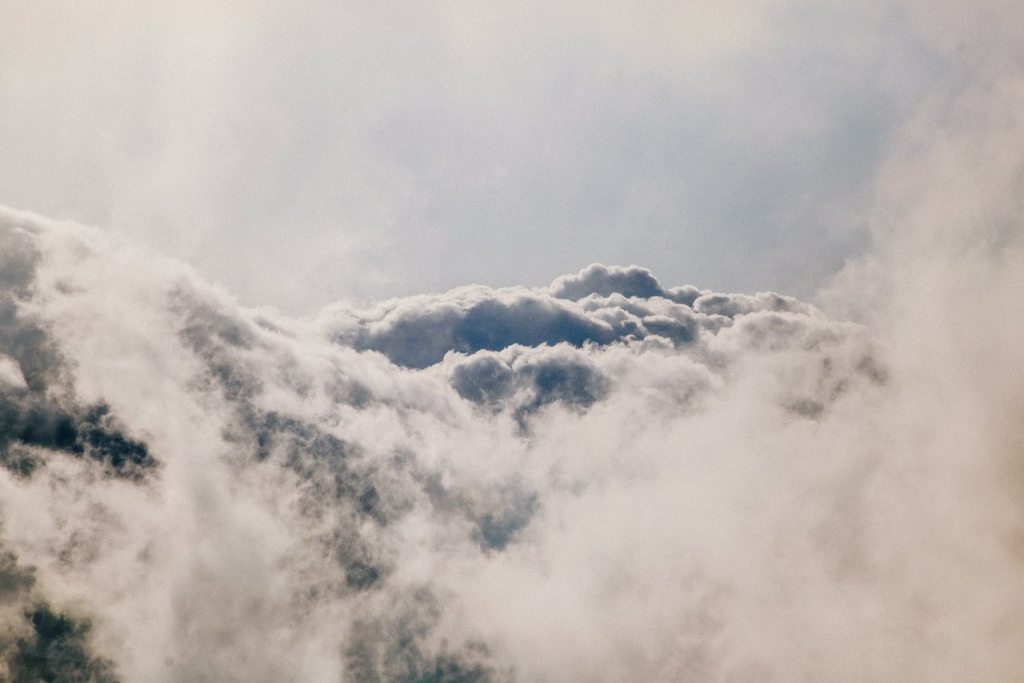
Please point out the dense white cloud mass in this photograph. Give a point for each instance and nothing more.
(606, 479)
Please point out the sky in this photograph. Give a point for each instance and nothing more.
(300, 153)
(550, 343)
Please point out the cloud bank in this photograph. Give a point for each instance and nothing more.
(605, 479)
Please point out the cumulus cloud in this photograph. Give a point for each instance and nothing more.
(630, 282)
(599, 306)
(603, 479)
(243, 479)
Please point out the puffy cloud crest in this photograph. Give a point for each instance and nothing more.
(630, 282)
(601, 305)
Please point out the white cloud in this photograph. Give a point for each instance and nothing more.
(10, 373)
(778, 495)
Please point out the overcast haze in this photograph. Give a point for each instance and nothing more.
(438, 344)
(302, 152)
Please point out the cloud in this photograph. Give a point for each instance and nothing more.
(355, 463)
(599, 306)
(629, 282)
(56, 651)
(670, 483)
(607, 478)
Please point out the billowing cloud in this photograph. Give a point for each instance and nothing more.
(603, 479)
(419, 331)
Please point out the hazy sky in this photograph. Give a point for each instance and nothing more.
(302, 152)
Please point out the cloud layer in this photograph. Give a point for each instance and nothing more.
(604, 479)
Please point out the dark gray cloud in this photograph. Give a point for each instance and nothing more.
(395, 647)
(732, 305)
(57, 650)
(31, 426)
(43, 644)
(484, 379)
(601, 305)
(529, 382)
(419, 337)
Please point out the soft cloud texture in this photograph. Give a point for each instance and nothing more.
(605, 479)
(612, 477)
